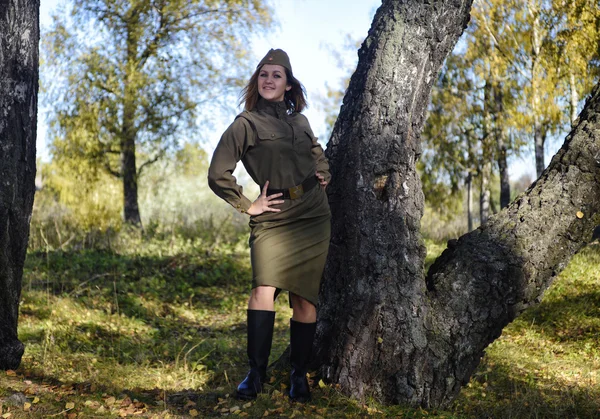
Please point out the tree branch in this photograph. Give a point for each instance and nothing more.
(110, 170)
(158, 156)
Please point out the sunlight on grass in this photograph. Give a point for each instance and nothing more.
(546, 364)
(164, 332)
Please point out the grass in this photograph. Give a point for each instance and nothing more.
(158, 330)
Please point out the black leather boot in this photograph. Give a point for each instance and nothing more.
(260, 337)
(301, 339)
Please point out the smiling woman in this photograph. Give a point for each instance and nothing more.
(272, 82)
(290, 220)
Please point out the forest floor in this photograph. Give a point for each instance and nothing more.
(159, 331)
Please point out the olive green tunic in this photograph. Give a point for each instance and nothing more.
(288, 249)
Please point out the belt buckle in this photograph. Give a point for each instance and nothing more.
(296, 192)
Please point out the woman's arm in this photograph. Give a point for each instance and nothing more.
(234, 143)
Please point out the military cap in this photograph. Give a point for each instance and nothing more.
(277, 57)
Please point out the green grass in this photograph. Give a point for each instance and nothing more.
(158, 330)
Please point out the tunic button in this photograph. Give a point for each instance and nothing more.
(272, 135)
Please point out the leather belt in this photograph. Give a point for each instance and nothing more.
(297, 191)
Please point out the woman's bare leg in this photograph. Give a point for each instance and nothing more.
(261, 298)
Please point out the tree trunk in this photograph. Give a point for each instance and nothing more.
(574, 101)
(501, 146)
(484, 193)
(503, 170)
(19, 38)
(470, 202)
(382, 332)
(533, 8)
(539, 139)
(371, 333)
(131, 210)
(487, 278)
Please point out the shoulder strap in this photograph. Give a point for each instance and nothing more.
(248, 117)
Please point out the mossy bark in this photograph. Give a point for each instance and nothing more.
(19, 38)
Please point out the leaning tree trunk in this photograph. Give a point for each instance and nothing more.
(381, 332)
(488, 277)
(19, 37)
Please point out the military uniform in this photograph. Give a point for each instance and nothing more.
(288, 248)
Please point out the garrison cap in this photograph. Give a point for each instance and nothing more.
(277, 57)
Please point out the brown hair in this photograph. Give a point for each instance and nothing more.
(295, 98)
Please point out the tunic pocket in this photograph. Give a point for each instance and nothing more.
(269, 134)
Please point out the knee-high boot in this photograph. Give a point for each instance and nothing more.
(301, 339)
(260, 337)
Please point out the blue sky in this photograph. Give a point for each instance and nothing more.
(308, 30)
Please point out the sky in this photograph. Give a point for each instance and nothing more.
(308, 30)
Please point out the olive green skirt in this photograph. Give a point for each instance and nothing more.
(290, 253)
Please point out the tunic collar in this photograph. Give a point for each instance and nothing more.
(276, 109)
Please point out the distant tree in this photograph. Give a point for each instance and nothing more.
(129, 79)
(576, 49)
(19, 38)
(519, 73)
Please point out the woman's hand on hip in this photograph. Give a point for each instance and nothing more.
(263, 202)
(322, 180)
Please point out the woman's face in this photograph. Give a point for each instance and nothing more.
(272, 82)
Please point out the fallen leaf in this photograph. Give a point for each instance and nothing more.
(70, 406)
(110, 401)
(6, 415)
(11, 373)
(379, 339)
(322, 384)
(247, 405)
(26, 407)
(234, 409)
(193, 413)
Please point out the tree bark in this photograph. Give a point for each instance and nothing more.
(19, 37)
(371, 332)
(385, 330)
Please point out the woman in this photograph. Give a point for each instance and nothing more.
(289, 221)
